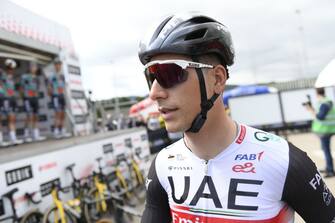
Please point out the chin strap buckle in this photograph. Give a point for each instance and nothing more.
(197, 123)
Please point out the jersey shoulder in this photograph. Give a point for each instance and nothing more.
(170, 156)
(174, 151)
(264, 139)
(272, 151)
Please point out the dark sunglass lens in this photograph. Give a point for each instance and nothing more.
(169, 75)
(150, 75)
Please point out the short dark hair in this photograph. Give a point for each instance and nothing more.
(210, 58)
(320, 91)
(57, 61)
(213, 59)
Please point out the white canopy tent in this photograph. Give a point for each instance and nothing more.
(327, 76)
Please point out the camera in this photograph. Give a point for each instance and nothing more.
(308, 102)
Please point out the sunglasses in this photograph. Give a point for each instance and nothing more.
(169, 73)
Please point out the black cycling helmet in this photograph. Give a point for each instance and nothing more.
(189, 34)
(192, 35)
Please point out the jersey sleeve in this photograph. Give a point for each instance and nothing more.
(305, 191)
(157, 207)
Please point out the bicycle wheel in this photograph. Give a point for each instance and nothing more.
(124, 185)
(32, 216)
(52, 216)
(94, 210)
(129, 213)
(140, 187)
(138, 174)
(105, 220)
(139, 177)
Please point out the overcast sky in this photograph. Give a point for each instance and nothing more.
(274, 40)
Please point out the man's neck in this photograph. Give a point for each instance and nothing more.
(214, 137)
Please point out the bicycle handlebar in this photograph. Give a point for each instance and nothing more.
(29, 197)
(62, 189)
(10, 193)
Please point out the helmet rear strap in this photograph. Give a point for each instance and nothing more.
(206, 104)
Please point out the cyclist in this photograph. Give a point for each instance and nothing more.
(56, 89)
(221, 171)
(9, 104)
(29, 86)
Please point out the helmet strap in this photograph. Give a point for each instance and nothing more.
(205, 105)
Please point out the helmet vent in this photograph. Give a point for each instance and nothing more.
(202, 19)
(196, 34)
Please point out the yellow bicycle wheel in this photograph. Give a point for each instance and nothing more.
(97, 208)
(105, 220)
(123, 184)
(52, 216)
(32, 216)
(138, 174)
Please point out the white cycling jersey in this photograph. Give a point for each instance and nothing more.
(260, 177)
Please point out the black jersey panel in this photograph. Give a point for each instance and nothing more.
(305, 190)
(157, 205)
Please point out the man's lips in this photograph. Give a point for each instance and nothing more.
(165, 110)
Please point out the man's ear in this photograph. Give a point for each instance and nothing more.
(220, 75)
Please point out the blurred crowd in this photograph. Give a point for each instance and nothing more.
(158, 136)
(20, 92)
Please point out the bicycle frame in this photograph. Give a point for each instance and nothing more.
(137, 171)
(122, 181)
(59, 204)
(61, 207)
(100, 195)
(27, 215)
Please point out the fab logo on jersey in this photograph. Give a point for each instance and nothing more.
(249, 157)
(247, 167)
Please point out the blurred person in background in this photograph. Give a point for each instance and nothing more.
(9, 104)
(324, 126)
(157, 134)
(153, 122)
(29, 86)
(56, 90)
(140, 121)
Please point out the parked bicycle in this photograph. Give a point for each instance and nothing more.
(31, 216)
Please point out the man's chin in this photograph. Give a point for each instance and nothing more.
(174, 128)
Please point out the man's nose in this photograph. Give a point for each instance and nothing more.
(157, 92)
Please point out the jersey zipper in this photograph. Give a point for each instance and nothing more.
(206, 166)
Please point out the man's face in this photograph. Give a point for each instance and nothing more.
(33, 69)
(10, 71)
(58, 67)
(180, 104)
